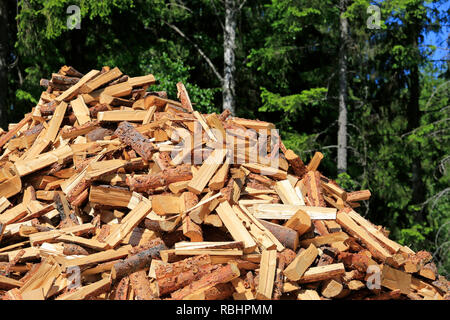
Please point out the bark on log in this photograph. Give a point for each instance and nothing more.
(314, 189)
(220, 291)
(170, 284)
(121, 292)
(136, 262)
(64, 80)
(358, 195)
(160, 179)
(168, 270)
(297, 164)
(287, 236)
(222, 274)
(131, 137)
(141, 286)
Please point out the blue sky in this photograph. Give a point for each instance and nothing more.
(441, 39)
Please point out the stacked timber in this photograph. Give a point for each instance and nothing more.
(111, 191)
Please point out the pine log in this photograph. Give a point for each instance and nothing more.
(315, 161)
(160, 179)
(172, 269)
(358, 195)
(128, 135)
(136, 262)
(222, 274)
(172, 283)
(296, 163)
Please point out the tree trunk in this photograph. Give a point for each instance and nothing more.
(413, 115)
(3, 63)
(229, 44)
(342, 121)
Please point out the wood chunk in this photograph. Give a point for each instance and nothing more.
(25, 167)
(429, 271)
(308, 295)
(287, 193)
(332, 188)
(315, 161)
(331, 288)
(110, 196)
(265, 170)
(73, 90)
(80, 110)
(220, 275)
(287, 236)
(218, 180)
(396, 279)
(358, 195)
(295, 270)
(326, 239)
(136, 262)
(141, 286)
(322, 273)
(235, 226)
(416, 261)
(128, 135)
(300, 222)
(206, 171)
(70, 71)
(314, 189)
(184, 97)
(129, 223)
(296, 163)
(160, 179)
(285, 212)
(6, 137)
(166, 204)
(91, 290)
(266, 275)
(355, 230)
(102, 79)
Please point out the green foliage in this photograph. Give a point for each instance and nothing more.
(169, 72)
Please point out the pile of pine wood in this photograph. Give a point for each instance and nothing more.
(93, 205)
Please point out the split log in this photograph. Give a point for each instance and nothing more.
(287, 236)
(141, 286)
(295, 270)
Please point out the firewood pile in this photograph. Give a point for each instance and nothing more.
(111, 191)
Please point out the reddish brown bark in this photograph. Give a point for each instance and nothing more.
(222, 274)
(121, 292)
(180, 280)
(133, 138)
(141, 286)
(136, 262)
(160, 179)
(296, 163)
